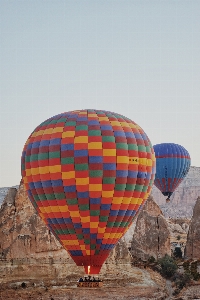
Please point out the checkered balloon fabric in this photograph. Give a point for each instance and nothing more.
(87, 173)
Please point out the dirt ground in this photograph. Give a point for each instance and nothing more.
(107, 293)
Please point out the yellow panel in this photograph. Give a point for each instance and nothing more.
(115, 123)
(103, 119)
(95, 187)
(81, 139)
(63, 208)
(87, 252)
(92, 115)
(95, 145)
(57, 129)
(55, 169)
(48, 131)
(49, 209)
(82, 247)
(123, 159)
(140, 200)
(25, 180)
(134, 160)
(82, 181)
(131, 125)
(107, 194)
(124, 124)
(70, 242)
(145, 161)
(117, 200)
(126, 200)
(68, 175)
(83, 113)
(134, 200)
(36, 171)
(74, 214)
(94, 224)
(68, 134)
(101, 230)
(38, 133)
(109, 152)
(106, 235)
(85, 219)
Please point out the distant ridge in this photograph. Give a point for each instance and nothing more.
(4, 191)
(183, 199)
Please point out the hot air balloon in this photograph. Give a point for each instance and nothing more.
(172, 165)
(87, 173)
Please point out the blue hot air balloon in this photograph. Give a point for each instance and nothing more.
(172, 165)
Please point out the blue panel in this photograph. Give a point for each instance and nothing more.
(77, 225)
(114, 212)
(105, 206)
(55, 142)
(109, 166)
(95, 200)
(83, 194)
(122, 173)
(85, 230)
(79, 153)
(70, 188)
(95, 159)
(76, 252)
(65, 147)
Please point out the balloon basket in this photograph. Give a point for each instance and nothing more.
(90, 284)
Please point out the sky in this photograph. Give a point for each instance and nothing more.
(140, 58)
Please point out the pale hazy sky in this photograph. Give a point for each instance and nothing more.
(140, 58)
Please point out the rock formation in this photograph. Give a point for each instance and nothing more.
(192, 249)
(184, 197)
(151, 236)
(28, 250)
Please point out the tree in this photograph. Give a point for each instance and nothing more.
(167, 266)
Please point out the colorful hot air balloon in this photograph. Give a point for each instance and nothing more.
(87, 173)
(172, 165)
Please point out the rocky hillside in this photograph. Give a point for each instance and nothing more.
(29, 252)
(183, 199)
(3, 193)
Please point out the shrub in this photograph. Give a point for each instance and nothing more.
(151, 259)
(167, 265)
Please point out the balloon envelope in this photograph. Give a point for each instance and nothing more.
(172, 165)
(87, 173)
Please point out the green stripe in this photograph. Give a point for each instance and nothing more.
(81, 167)
(42, 156)
(133, 147)
(130, 187)
(70, 123)
(103, 218)
(96, 173)
(108, 139)
(84, 206)
(81, 127)
(94, 132)
(94, 212)
(67, 160)
(122, 146)
(109, 180)
(72, 201)
(55, 154)
(120, 187)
